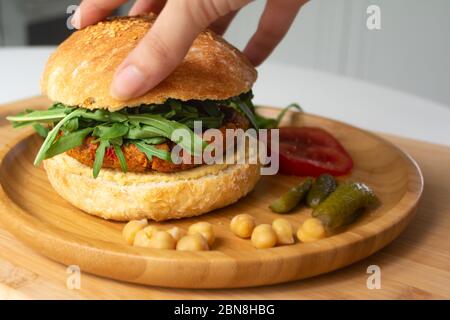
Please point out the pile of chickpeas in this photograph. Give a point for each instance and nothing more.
(199, 237)
(280, 232)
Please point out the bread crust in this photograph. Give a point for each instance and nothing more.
(159, 196)
(80, 71)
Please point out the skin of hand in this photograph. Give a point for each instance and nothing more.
(179, 22)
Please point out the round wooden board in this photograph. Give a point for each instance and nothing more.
(34, 213)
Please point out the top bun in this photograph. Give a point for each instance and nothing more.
(80, 71)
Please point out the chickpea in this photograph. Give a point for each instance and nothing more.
(205, 229)
(284, 231)
(176, 233)
(314, 228)
(192, 242)
(142, 238)
(311, 230)
(263, 236)
(131, 228)
(242, 225)
(304, 237)
(162, 240)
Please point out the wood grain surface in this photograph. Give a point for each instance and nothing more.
(414, 266)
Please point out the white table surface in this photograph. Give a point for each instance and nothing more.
(353, 101)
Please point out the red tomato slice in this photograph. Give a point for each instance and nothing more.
(309, 151)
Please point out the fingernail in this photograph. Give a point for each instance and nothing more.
(76, 19)
(127, 82)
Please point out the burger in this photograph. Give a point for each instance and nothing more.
(112, 158)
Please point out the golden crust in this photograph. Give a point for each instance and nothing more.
(159, 196)
(80, 71)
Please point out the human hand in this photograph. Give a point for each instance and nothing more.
(179, 22)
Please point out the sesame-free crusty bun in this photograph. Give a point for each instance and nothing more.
(80, 71)
(159, 196)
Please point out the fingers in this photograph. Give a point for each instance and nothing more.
(146, 6)
(166, 44)
(276, 19)
(157, 55)
(92, 11)
(220, 26)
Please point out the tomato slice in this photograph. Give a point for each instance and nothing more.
(310, 151)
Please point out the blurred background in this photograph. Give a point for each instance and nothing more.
(411, 51)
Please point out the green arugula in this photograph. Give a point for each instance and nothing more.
(99, 156)
(151, 151)
(121, 157)
(40, 129)
(269, 123)
(66, 142)
(52, 135)
(66, 127)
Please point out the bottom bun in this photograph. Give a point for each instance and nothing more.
(123, 196)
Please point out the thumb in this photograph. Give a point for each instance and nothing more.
(165, 45)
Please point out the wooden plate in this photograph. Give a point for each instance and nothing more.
(33, 212)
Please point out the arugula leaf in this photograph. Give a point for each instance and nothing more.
(168, 127)
(53, 134)
(265, 123)
(38, 115)
(238, 104)
(40, 129)
(207, 122)
(144, 132)
(71, 125)
(154, 140)
(117, 141)
(175, 105)
(270, 123)
(151, 151)
(211, 108)
(121, 157)
(61, 106)
(102, 115)
(99, 156)
(183, 110)
(164, 126)
(67, 142)
(107, 132)
(283, 112)
(143, 126)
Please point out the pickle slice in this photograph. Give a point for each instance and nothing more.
(324, 185)
(292, 198)
(344, 205)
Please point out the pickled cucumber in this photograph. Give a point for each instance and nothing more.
(292, 198)
(324, 185)
(344, 205)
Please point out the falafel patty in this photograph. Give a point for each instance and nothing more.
(137, 161)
